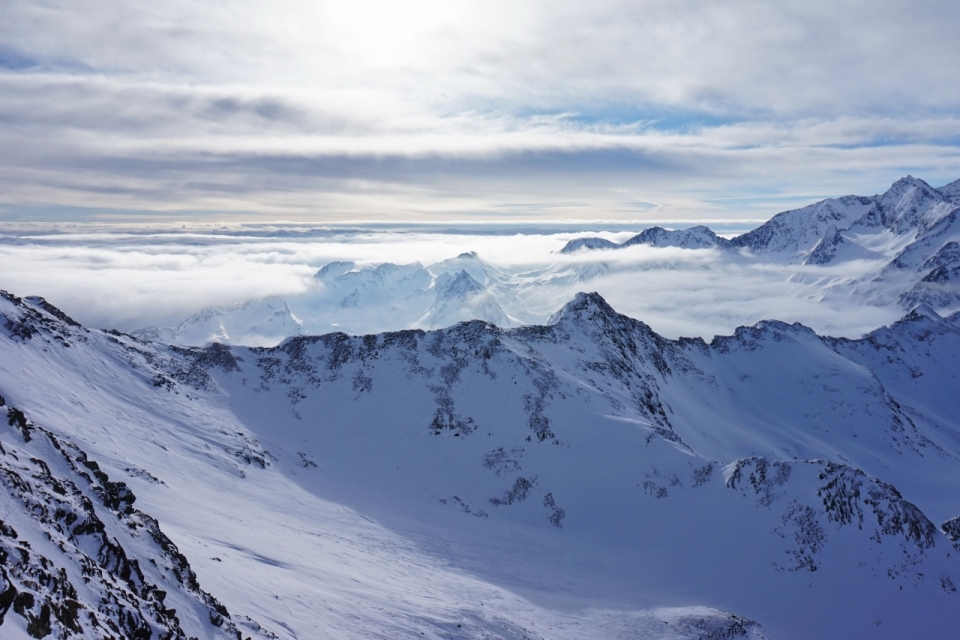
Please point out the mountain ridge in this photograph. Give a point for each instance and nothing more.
(399, 427)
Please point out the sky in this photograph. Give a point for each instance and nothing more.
(367, 110)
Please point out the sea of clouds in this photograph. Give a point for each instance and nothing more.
(127, 277)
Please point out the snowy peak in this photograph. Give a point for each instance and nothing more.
(699, 237)
(24, 318)
(460, 286)
(910, 205)
(334, 269)
(479, 269)
(581, 244)
(256, 322)
(460, 298)
(951, 191)
(799, 230)
(584, 308)
(590, 316)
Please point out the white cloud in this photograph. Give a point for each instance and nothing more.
(130, 277)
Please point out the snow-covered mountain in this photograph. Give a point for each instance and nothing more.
(878, 251)
(796, 232)
(698, 237)
(584, 478)
(256, 322)
(460, 298)
(900, 231)
(358, 298)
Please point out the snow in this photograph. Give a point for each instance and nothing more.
(843, 258)
(588, 478)
(485, 469)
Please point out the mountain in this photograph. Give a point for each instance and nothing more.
(578, 244)
(872, 251)
(256, 322)
(898, 231)
(584, 478)
(460, 298)
(797, 231)
(698, 237)
(910, 205)
(358, 298)
(909, 210)
(951, 191)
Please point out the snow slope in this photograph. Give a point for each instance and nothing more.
(586, 478)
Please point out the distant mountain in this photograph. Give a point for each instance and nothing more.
(693, 238)
(900, 230)
(474, 481)
(588, 243)
(874, 250)
(460, 298)
(256, 322)
(356, 297)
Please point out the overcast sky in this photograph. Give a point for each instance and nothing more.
(438, 110)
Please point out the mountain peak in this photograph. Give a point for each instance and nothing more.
(458, 286)
(951, 191)
(578, 244)
(334, 269)
(924, 310)
(584, 306)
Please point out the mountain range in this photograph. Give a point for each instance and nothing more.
(895, 250)
(585, 477)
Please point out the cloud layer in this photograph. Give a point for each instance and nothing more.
(131, 277)
(377, 110)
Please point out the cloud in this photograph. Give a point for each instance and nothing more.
(340, 110)
(128, 277)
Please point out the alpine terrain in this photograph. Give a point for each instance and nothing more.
(586, 477)
(891, 251)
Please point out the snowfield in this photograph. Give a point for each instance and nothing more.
(583, 478)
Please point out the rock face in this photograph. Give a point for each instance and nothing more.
(77, 558)
(555, 459)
